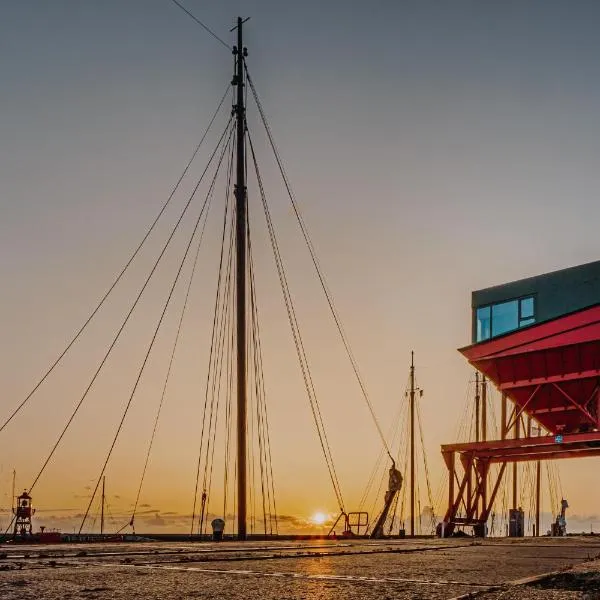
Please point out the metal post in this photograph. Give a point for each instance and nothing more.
(412, 443)
(538, 483)
(240, 281)
(503, 419)
(484, 438)
(517, 427)
(102, 507)
(484, 409)
(477, 399)
(451, 476)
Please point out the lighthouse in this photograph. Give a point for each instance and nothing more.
(23, 513)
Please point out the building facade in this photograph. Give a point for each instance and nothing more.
(502, 309)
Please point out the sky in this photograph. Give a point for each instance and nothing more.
(434, 148)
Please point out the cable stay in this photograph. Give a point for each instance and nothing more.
(123, 270)
(220, 318)
(301, 353)
(158, 325)
(315, 261)
(269, 510)
(131, 310)
(199, 22)
(171, 360)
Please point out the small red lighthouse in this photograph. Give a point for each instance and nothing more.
(23, 513)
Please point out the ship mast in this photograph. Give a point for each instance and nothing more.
(241, 205)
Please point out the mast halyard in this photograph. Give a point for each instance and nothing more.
(241, 205)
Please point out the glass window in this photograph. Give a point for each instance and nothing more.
(505, 317)
(526, 307)
(524, 322)
(484, 324)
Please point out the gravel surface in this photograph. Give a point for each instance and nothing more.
(317, 570)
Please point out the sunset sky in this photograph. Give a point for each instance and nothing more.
(434, 148)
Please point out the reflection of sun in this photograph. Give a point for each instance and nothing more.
(319, 518)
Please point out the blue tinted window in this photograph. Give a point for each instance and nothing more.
(526, 307)
(484, 324)
(524, 322)
(505, 317)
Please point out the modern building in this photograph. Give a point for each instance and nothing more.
(537, 341)
(505, 308)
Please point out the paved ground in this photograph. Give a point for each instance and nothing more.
(320, 570)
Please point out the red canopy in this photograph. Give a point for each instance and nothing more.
(550, 370)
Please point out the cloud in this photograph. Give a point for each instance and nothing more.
(144, 505)
(157, 521)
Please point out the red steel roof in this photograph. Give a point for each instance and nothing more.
(550, 370)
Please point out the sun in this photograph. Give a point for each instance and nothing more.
(319, 518)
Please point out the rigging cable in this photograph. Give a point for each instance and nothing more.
(205, 27)
(261, 408)
(212, 349)
(122, 327)
(316, 264)
(302, 359)
(118, 278)
(229, 366)
(154, 336)
(259, 390)
(425, 464)
(168, 375)
(225, 328)
(223, 359)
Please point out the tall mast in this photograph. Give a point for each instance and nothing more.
(412, 443)
(102, 507)
(240, 279)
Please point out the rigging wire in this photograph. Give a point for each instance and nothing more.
(123, 324)
(302, 359)
(224, 329)
(158, 325)
(395, 426)
(171, 360)
(205, 27)
(120, 275)
(229, 360)
(224, 357)
(228, 209)
(321, 276)
(425, 464)
(259, 389)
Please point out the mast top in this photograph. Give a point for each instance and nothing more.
(240, 21)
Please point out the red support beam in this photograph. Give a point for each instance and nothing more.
(510, 385)
(567, 438)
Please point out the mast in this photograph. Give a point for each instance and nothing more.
(412, 443)
(240, 279)
(102, 508)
